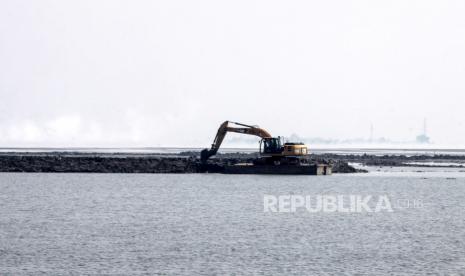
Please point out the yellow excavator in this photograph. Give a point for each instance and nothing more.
(272, 150)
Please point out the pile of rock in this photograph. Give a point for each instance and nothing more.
(187, 162)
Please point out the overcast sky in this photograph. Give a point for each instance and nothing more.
(167, 73)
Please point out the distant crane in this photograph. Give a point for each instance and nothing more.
(371, 132)
(423, 138)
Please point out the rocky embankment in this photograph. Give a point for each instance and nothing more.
(186, 162)
(438, 160)
(97, 164)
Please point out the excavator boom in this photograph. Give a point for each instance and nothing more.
(225, 128)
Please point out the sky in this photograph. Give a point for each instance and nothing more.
(114, 73)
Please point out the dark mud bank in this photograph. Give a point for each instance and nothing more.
(132, 163)
(95, 164)
(188, 162)
(439, 160)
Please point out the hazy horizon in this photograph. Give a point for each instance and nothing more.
(167, 73)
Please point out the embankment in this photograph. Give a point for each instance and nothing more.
(187, 162)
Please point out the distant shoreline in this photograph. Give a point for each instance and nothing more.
(177, 150)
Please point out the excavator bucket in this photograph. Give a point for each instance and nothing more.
(204, 155)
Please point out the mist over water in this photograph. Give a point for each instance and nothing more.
(173, 150)
(168, 73)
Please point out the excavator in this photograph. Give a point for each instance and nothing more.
(273, 150)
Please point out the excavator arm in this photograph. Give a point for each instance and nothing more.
(225, 128)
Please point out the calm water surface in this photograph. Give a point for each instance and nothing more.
(130, 224)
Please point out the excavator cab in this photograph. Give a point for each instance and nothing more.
(275, 146)
(271, 145)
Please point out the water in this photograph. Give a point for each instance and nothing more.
(159, 224)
